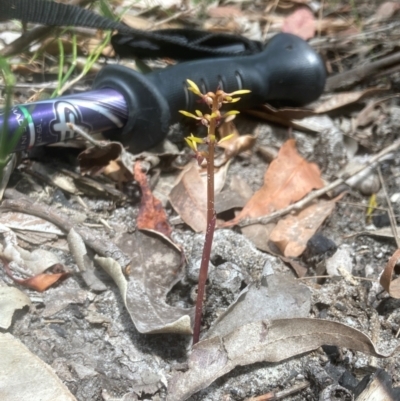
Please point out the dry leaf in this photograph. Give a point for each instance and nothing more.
(346, 98)
(27, 222)
(387, 10)
(236, 145)
(224, 12)
(158, 267)
(62, 297)
(220, 174)
(262, 341)
(380, 387)
(384, 233)
(299, 118)
(11, 299)
(94, 160)
(301, 23)
(41, 282)
(288, 179)
(292, 233)
(189, 195)
(151, 215)
(25, 377)
(84, 261)
(279, 296)
(392, 287)
(189, 198)
(30, 263)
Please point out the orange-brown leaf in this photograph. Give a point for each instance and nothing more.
(288, 179)
(151, 215)
(42, 281)
(94, 160)
(292, 233)
(189, 198)
(392, 287)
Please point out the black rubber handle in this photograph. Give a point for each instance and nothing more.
(287, 72)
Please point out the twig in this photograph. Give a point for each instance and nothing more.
(79, 131)
(392, 219)
(361, 72)
(274, 396)
(338, 277)
(316, 194)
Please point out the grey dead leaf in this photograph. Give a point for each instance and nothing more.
(11, 299)
(157, 268)
(54, 177)
(60, 297)
(305, 119)
(25, 377)
(26, 222)
(384, 233)
(346, 98)
(305, 125)
(31, 263)
(379, 388)
(263, 341)
(279, 296)
(84, 262)
(227, 200)
(78, 249)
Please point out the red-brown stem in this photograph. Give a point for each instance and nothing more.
(211, 219)
(202, 279)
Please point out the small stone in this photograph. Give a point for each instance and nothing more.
(227, 276)
(341, 259)
(395, 197)
(381, 220)
(193, 270)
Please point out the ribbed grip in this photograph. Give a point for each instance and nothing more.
(287, 71)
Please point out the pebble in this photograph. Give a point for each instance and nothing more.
(340, 259)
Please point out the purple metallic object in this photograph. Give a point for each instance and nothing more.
(138, 109)
(46, 121)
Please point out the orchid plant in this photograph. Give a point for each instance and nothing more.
(214, 101)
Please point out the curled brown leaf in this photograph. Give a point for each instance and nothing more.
(391, 286)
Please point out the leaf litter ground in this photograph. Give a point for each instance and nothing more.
(94, 345)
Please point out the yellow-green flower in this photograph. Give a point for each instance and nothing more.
(194, 88)
(192, 141)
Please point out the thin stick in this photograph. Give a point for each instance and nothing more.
(361, 72)
(392, 219)
(272, 396)
(316, 194)
(338, 277)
